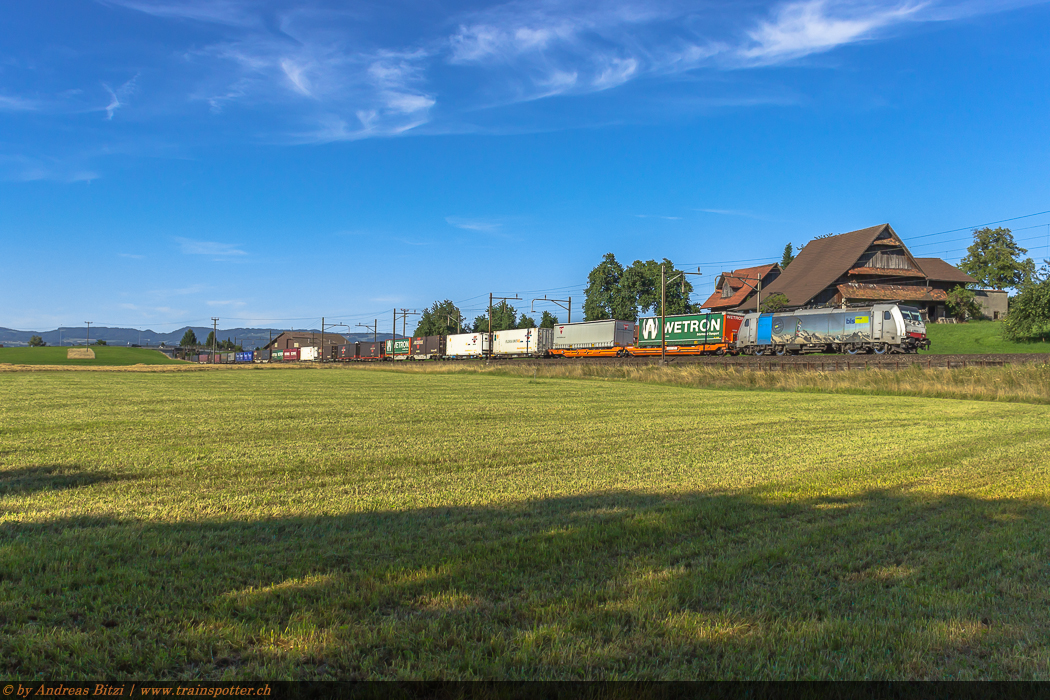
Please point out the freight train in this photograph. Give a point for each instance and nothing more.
(879, 328)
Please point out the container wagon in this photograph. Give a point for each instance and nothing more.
(398, 349)
(531, 342)
(688, 334)
(347, 353)
(607, 338)
(290, 355)
(465, 345)
(367, 352)
(203, 358)
(427, 347)
(277, 356)
(262, 355)
(309, 354)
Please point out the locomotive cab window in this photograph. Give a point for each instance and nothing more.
(885, 315)
(747, 322)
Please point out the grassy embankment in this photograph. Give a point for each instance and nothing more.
(1027, 383)
(104, 356)
(973, 338)
(363, 524)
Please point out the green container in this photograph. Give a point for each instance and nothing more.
(277, 355)
(401, 346)
(685, 330)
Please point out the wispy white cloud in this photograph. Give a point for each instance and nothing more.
(657, 216)
(333, 73)
(9, 103)
(474, 224)
(18, 168)
(814, 26)
(190, 246)
(118, 97)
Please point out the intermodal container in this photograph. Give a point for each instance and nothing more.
(203, 358)
(522, 341)
(467, 345)
(688, 330)
(594, 334)
(399, 349)
(309, 354)
(428, 347)
(348, 352)
(277, 355)
(291, 355)
(371, 351)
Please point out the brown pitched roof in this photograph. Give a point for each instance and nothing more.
(745, 277)
(889, 292)
(819, 263)
(940, 271)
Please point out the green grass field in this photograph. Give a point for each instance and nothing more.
(974, 337)
(104, 356)
(378, 524)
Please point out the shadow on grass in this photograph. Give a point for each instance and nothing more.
(29, 480)
(620, 585)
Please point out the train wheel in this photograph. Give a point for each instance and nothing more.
(853, 349)
(880, 348)
(781, 351)
(760, 351)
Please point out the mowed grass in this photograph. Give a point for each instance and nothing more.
(974, 337)
(104, 356)
(363, 524)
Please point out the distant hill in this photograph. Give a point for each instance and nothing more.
(248, 338)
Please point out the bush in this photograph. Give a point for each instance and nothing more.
(37, 342)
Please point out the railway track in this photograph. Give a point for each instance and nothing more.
(814, 363)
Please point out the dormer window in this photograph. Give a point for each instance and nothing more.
(727, 291)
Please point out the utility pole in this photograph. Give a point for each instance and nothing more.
(88, 332)
(559, 302)
(214, 331)
(459, 322)
(373, 327)
(504, 300)
(395, 327)
(405, 313)
(322, 340)
(663, 306)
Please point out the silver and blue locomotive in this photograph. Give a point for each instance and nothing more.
(879, 329)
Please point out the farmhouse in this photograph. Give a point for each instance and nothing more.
(864, 266)
(289, 340)
(734, 288)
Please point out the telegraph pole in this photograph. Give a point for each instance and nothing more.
(322, 340)
(88, 332)
(559, 302)
(214, 339)
(373, 327)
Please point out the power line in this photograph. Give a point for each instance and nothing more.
(975, 226)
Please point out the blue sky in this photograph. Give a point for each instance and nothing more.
(270, 163)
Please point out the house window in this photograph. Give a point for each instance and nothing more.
(727, 291)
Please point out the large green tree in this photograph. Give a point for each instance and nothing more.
(623, 293)
(787, 257)
(994, 259)
(37, 342)
(604, 296)
(1029, 316)
(189, 339)
(548, 320)
(210, 342)
(442, 318)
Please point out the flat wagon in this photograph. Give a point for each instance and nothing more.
(687, 334)
(606, 338)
